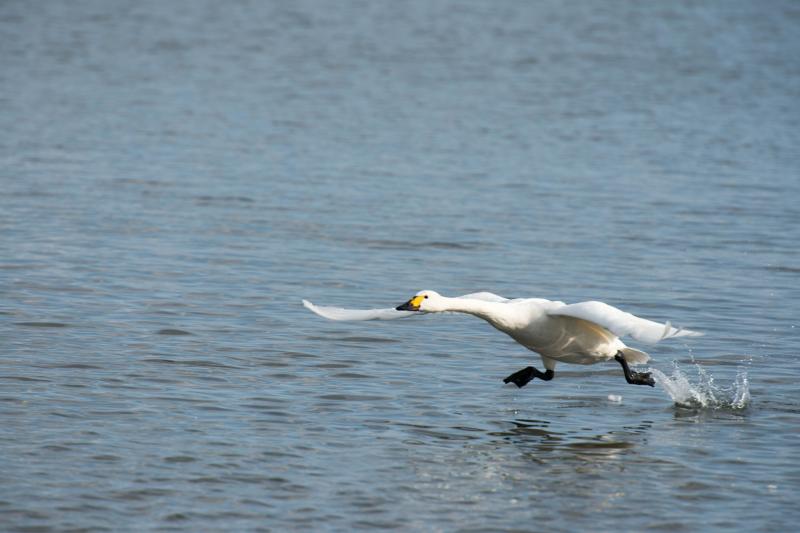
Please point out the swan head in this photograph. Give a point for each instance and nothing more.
(426, 301)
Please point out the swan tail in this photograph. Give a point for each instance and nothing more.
(635, 357)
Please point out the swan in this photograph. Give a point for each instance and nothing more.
(583, 333)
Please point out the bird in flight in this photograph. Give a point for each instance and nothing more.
(583, 333)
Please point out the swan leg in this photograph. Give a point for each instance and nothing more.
(634, 378)
(520, 378)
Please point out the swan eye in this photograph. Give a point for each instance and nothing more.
(426, 296)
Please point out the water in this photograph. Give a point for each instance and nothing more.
(177, 176)
(704, 394)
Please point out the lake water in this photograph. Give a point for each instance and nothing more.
(177, 176)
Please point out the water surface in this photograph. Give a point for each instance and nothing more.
(177, 176)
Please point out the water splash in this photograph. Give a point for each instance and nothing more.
(704, 393)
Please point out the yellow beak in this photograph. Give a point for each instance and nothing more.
(411, 305)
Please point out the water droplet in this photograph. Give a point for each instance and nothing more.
(704, 393)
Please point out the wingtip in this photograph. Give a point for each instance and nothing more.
(669, 331)
(688, 333)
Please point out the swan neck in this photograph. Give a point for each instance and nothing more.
(477, 308)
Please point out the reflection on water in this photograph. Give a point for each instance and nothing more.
(540, 443)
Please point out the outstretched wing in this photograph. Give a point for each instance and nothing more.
(485, 296)
(621, 323)
(338, 313)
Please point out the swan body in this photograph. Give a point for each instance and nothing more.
(583, 333)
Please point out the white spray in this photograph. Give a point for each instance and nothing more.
(704, 393)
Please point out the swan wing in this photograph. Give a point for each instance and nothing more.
(621, 323)
(339, 313)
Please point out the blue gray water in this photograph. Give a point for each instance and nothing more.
(177, 176)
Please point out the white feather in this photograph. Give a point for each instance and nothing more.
(339, 313)
(485, 297)
(621, 323)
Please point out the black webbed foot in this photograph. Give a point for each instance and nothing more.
(520, 378)
(634, 378)
(642, 378)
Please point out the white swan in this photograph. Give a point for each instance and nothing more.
(584, 333)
